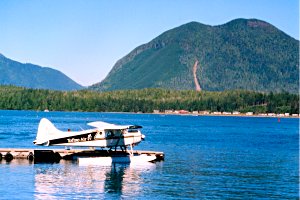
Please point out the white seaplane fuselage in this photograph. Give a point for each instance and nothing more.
(104, 135)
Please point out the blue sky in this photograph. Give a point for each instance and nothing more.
(85, 38)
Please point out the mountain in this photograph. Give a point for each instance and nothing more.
(33, 76)
(242, 54)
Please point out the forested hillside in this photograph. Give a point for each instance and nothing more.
(33, 76)
(147, 100)
(247, 54)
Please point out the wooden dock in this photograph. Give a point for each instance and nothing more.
(55, 155)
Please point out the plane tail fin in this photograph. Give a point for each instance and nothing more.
(45, 131)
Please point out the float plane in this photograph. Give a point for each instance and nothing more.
(103, 135)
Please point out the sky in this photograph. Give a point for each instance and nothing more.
(85, 38)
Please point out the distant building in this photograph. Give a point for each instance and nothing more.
(295, 115)
(262, 114)
(236, 113)
(249, 113)
(226, 113)
(271, 114)
(168, 111)
(286, 114)
(183, 112)
(195, 112)
(204, 112)
(156, 111)
(217, 113)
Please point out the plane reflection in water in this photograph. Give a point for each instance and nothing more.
(65, 179)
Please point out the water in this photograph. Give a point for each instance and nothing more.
(205, 158)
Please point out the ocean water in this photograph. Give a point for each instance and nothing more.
(205, 158)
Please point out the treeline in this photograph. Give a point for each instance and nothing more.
(147, 100)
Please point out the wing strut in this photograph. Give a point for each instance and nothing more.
(119, 140)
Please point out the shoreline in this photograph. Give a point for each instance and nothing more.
(224, 115)
(262, 115)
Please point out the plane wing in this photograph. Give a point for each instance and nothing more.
(107, 126)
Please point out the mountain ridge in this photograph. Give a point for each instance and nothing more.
(34, 76)
(246, 54)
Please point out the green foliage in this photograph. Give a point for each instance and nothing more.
(242, 54)
(147, 100)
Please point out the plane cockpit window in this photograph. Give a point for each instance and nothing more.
(132, 130)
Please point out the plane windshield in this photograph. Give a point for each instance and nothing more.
(132, 130)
